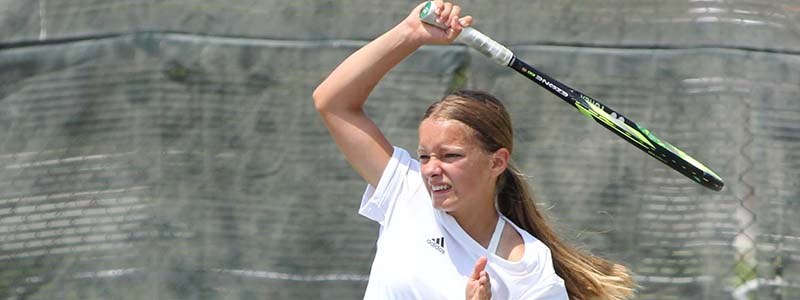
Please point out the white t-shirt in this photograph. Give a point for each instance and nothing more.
(422, 252)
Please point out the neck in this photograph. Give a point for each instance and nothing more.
(478, 221)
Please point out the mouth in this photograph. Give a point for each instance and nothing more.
(440, 188)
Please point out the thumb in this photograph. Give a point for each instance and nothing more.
(480, 265)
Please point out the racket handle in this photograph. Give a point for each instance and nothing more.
(471, 37)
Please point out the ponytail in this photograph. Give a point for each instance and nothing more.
(585, 276)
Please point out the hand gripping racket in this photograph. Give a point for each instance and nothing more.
(606, 116)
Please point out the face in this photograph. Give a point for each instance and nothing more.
(456, 170)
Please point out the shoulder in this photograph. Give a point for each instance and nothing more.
(399, 181)
(520, 245)
(400, 165)
(512, 245)
(403, 159)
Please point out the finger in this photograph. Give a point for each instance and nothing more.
(484, 291)
(452, 33)
(444, 17)
(439, 4)
(484, 279)
(454, 15)
(454, 12)
(465, 21)
(480, 265)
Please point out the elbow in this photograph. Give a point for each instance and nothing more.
(330, 99)
(319, 99)
(322, 100)
(328, 102)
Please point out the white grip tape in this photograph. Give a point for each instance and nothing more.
(479, 41)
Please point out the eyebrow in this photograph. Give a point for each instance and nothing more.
(444, 148)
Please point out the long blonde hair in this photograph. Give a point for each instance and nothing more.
(586, 276)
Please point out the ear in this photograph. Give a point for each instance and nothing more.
(500, 159)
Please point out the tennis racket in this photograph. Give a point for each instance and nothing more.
(606, 116)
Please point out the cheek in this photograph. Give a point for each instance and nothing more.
(464, 176)
(473, 175)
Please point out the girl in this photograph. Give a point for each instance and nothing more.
(458, 222)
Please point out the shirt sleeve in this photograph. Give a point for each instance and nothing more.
(378, 201)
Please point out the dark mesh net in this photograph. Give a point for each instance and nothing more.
(170, 149)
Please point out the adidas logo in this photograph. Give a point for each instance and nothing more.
(437, 243)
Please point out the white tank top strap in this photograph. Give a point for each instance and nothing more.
(498, 231)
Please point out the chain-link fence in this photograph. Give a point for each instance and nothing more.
(170, 149)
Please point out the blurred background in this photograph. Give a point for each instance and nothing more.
(169, 149)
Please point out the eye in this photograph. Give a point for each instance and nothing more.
(424, 158)
(453, 156)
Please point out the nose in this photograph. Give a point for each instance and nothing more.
(432, 168)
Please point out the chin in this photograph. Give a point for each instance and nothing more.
(445, 206)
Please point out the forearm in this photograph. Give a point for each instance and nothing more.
(340, 98)
(349, 85)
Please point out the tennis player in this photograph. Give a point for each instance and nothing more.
(457, 220)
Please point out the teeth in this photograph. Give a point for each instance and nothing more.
(439, 187)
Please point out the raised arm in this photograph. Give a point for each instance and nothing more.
(340, 98)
